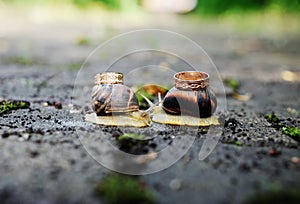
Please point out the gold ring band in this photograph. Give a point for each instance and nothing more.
(109, 78)
(191, 80)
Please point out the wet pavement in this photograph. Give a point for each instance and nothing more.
(43, 160)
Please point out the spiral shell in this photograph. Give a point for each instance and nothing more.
(190, 96)
(109, 95)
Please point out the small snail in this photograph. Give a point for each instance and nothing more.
(115, 104)
(189, 102)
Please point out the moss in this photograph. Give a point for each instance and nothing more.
(22, 60)
(279, 124)
(237, 93)
(293, 132)
(124, 189)
(272, 118)
(277, 196)
(74, 66)
(7, 106)
(70, 66)
(238, 143)
(232, 83)
(133, 136)
(133, 143)
(82, 41)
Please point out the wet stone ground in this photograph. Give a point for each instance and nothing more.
(42, 159)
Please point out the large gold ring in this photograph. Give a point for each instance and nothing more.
(191, 80)
(109, 78)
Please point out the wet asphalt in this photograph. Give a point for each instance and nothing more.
(44, 156)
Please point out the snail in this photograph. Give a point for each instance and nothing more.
(190, 102)
(115, 104)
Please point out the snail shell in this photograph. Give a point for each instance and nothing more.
(115, 98)
(190, 96)
(112, 96)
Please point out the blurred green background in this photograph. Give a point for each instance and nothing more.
(220, 6)
(262, 17)
(208, 7)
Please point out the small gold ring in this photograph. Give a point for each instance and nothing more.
(191, 80)
(109, 78)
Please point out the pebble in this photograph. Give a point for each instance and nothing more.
(58, 105)
(25, 136)
(5, 134)
(176, 184)
(146, 158)
(245, 167)
(234, 181)
(295, 160)
(186, 159)
(274, 152)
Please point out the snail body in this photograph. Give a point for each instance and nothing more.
(134, 119)
(115, 104)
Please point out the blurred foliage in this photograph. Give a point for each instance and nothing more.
(124, 189)
(211, 7)
(275, 196)
(110, 4)
(220, 6)
(216, 7)
(82, 40)
(232, 83)
(21, 60)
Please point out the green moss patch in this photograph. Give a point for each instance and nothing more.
(133, 143)
(23, 60)
(279, 196)
(7, 106)
(82, 41)
(237, 143)
(232, 83)
(124, 189)
(280, 124)
(133, 136)
(293, 132)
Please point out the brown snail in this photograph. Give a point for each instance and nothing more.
(190, 102)
(115, 104)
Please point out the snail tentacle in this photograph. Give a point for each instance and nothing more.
(152, 105)
(159, 98)
(146, 112)
(147, 99)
